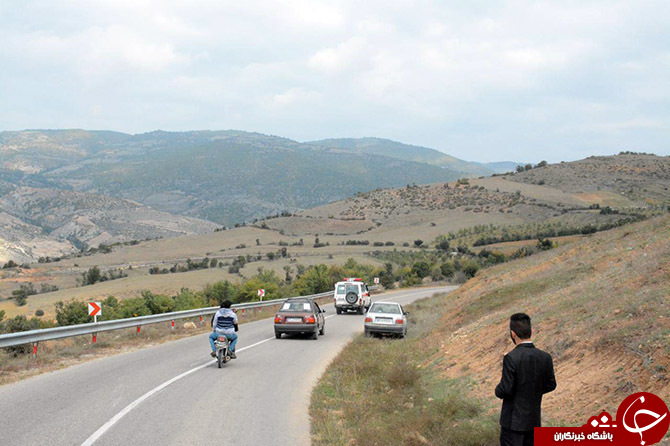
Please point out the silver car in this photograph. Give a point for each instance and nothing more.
(386, 318)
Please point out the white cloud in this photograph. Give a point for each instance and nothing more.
(472, 78)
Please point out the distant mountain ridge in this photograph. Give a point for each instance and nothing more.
(223, 176)
(394, 149)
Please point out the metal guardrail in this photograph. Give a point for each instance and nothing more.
(48, 334)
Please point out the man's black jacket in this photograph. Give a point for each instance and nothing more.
(527, 374)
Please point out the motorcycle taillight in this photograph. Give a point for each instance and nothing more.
(222, 339)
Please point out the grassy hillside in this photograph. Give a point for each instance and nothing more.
(223, 176)
(599, 306)
(394, 149)
(496, 213)
(616, 179)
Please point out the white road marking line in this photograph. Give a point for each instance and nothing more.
(126, 410)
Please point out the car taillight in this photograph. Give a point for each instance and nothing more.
(399, 321)
(278, 319)
(310, 319)
(368, 319)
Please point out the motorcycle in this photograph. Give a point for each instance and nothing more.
(222, 350)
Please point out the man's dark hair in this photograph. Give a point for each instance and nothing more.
(226, 304)
(519, 323)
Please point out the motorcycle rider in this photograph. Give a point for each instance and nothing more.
(224, 323)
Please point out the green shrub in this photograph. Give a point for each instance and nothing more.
(72, 312)
(447, 269)
(470, 268)
(18, 324)
(421, 269)
(133, 307)
(158, 303)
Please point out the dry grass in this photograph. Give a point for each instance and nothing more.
(599, 306)
(384, 392)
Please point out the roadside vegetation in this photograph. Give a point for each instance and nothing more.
(295, 282)
(385, 391)
(599, 306)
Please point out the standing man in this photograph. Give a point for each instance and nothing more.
(527, 374)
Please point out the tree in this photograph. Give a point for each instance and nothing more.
(288, 270)
(158, 303)
(470, 268)
(10, 264)
(418, 243)
(447, 269)
(528, 167)
(21, 295)
(218, 292)
(17, 324)
(442, 243)
(315, 280)
(544, 244)
(542, 164)
(91, 276)
(421, 269)
(72, 312)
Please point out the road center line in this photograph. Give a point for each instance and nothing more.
(126, 410)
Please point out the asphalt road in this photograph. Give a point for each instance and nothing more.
(175, 394)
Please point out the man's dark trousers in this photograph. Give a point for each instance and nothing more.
(514, 438)
(527, 374)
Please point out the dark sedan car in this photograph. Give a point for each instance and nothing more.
(300, 316)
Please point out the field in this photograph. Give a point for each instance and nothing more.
(471, 212)
(599, 305)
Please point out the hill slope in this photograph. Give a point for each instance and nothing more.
(641, 178)
(89, 219)
(223, 176)
(394, 149)
(600, 307)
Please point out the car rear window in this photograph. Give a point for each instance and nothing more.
(296, 306)
(347, 288)
(385, 308)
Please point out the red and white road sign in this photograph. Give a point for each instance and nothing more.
(261, 293)
(376, 279)
(94, 308)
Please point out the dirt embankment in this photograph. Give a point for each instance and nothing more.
(599, 306)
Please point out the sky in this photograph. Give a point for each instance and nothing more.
(480, 80)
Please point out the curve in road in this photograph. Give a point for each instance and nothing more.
(168, 394)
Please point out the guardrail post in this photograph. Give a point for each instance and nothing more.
(35, 349)
(95, 337)
(138, 329)
(172, 323)
(201, 320)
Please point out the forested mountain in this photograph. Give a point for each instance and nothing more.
(223, 176)
(394, 149)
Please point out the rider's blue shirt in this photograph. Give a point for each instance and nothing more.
(224, 321)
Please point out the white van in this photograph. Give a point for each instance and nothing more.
(352, 294)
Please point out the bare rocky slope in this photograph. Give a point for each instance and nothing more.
(49, 222)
